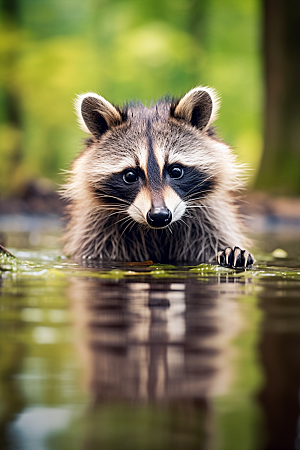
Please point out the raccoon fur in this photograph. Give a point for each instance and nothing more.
(154, 184)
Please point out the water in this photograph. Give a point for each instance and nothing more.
(148, 357)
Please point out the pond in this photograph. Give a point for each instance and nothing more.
(146, 356)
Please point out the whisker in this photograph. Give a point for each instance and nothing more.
(122, 220)
(113, 207)
(199, 206)
(114, 213)
(119, 199)
(112, 196)
(169, 228)
(181, 220)
(130, 223)
(192, 197)
(204, 181)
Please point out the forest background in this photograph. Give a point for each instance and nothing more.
(52, 50)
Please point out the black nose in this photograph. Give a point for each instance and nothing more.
(159, 217)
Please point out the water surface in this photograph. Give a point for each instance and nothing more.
(148, 357)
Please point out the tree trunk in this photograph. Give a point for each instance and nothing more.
(280, 166)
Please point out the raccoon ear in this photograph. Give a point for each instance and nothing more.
(95, 114)
(198, 107)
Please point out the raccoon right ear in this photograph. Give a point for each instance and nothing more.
(95, 114)
(198, 107)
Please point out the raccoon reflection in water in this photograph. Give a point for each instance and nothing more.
(155, 183)
(157, 346)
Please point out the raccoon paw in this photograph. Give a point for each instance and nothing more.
(235, 258)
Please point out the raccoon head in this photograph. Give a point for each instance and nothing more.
(151, 163)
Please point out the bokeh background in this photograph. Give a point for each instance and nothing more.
(52, 50)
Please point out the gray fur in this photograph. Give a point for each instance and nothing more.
(107, 231)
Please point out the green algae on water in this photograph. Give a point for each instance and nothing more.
(52, 265)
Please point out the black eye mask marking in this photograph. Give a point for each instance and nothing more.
(114, 189)
(191, 184)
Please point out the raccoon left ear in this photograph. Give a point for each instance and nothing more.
(95, 114)
(198, 107)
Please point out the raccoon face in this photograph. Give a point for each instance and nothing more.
(150, 163)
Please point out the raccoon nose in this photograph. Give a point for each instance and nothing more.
(159, 217)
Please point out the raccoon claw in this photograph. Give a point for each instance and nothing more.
(235, 258)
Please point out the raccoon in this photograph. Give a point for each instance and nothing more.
(155, 183)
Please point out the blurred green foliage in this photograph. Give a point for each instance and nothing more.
(123, 49)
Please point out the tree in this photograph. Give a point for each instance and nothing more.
(280, 166)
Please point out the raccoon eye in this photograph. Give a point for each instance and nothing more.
(130, 176)
(176, 172)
